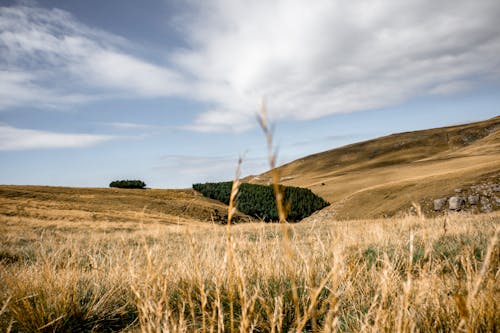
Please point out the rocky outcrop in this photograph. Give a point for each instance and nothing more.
(473, 199)
(456, 203)
(440, 203)
(486, 205)
(479, 198)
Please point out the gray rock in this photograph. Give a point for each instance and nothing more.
(496, 188)
(456, 203)
(496, 200)
(473, 199)
(458, 190)
(486, 205)
(439, 203)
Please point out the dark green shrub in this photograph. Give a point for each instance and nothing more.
(259, 200)
(128, 184)
(217, 191)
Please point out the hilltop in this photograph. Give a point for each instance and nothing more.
(384, 176)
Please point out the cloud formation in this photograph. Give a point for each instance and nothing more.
(308, 59)
(316, 58)
(129, 126)
(48, 59)
(12, 138)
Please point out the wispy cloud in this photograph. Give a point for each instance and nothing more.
(48, 59)
(19, 87)
(138, 130)
(12, 138)
(308, 59)
(126, 126)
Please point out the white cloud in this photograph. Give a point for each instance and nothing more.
(316, 58)
(308, 59)
(12, 138)
(48, 59)
(20, 87)
(125, 126)
(122, 72)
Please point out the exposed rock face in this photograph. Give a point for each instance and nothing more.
(473, 199)
(440, 203)
(456, 203)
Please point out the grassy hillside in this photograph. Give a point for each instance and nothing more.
(390, 275)
(382, 177)
(90, 205)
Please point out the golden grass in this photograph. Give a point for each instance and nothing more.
(408, 274)
(382, 177)
(56, 205)
(68, 262)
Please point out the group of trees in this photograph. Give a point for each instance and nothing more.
(259, 200)
(128, 184)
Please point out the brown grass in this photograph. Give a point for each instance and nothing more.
(407, 274)
(124, 207)
(382, 177)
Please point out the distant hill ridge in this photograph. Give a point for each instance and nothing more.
(384, 176)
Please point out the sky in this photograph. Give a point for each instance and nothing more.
(168, 91)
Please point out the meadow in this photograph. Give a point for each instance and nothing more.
(410, 274)
(107, 260)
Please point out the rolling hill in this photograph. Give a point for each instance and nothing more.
(384, 176)
(125, 206)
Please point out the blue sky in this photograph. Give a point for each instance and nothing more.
(167, 91)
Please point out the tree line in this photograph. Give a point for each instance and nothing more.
(259, 200)
(128, 184)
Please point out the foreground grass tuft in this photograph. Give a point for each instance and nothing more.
(375, 275)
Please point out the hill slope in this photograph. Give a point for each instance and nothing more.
(88, 205)
(382, 177)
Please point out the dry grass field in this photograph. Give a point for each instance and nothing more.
(52, 205)
(384, 176)
(109, 260)
(410, 274)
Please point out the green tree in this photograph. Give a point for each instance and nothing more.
(259, 200)
(128, 184)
